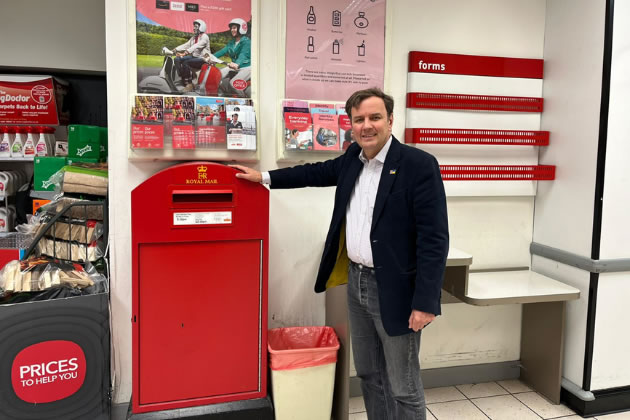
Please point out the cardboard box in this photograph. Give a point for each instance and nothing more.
(44, 168)
(40, 100)
(84, 141)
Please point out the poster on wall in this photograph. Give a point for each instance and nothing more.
(197, 48)
(334, 47)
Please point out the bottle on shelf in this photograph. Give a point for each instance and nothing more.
(5, 142)
(41, 148)
(17, 147)
(29, 144)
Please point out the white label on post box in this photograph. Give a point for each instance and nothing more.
(202, 218)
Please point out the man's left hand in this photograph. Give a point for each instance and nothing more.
(418, 320)
(233, 66)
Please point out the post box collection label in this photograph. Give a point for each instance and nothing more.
(48, 371)
(202, 218)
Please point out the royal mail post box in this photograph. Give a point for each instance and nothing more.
(199, 322)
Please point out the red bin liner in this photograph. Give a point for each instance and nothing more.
(302, 347)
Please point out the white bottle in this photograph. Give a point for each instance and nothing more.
(29, 144)
(18, 144)
(41, 148)
(4, 222)
(5, 143)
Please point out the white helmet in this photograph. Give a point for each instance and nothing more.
(202, 25)
(242, 25)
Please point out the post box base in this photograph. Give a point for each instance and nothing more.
(257, 409)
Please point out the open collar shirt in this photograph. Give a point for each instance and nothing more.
(361, 208)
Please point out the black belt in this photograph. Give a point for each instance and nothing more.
(361, 267)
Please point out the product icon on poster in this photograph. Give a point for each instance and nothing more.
(310, 17)
(335, 46)
(361, 21)
(311, 44)
(361, 48)
(336, 18)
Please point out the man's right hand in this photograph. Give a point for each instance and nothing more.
(248, 174)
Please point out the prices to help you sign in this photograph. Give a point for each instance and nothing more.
(334, 48)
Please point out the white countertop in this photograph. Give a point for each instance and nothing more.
(523, 286)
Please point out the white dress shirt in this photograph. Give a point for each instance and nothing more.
(361, 208)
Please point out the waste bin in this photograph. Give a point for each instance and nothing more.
(303, 361)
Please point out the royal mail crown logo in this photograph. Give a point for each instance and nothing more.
(202, 169)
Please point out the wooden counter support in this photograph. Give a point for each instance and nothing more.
(542, 332)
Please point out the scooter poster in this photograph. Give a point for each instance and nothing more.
(194, 48)
(334, 47)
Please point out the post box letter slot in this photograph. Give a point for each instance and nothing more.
(202, 196)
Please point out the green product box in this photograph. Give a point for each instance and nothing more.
(84, 141)
(103, 144)
(72, 160)
(43, 169)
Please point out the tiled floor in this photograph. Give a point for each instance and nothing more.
(503, 400)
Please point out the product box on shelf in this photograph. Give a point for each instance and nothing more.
(84, 141)
(43, 168)
(33, 100)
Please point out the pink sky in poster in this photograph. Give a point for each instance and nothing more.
(179, 15)
(334, 47)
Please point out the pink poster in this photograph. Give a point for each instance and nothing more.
(334, 47)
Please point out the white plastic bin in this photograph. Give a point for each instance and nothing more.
(303, 361)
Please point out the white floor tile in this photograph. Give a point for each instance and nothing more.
(487, 389)
(514, 386)
(443, 394)
(430, 416)
(356, 405)
(542, 407)
(505, 407)
(358, 416)
(575, 417)
(616, 416)
(456, 410)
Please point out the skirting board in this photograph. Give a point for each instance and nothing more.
(605, 402)
(257, 409)
(471, 374)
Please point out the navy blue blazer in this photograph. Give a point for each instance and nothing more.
(409, 234)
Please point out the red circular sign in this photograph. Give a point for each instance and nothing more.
(41, 94)
(48, 371)
(239, 84)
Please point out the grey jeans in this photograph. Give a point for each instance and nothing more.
(388, 366)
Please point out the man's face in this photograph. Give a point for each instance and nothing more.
(234, 117)
(371, 127)
(196, 28)
(234, 30)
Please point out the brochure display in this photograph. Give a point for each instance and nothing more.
(180, 126)
(334, 48)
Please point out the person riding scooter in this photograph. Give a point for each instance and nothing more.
(192, 53)
(239, 70)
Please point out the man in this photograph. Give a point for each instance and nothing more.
(191, 54)
(389, 235)
(239, 50)
(234, 123)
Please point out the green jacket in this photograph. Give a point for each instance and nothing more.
(239, 53)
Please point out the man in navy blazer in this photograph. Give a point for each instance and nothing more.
(388, 239)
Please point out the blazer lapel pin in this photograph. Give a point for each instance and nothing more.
(392, 171)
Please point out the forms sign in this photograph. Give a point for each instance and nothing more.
(334, 48)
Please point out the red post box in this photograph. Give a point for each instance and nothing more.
(200, 252)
